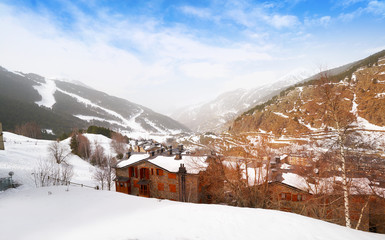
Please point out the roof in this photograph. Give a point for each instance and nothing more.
(289, 186)
(193, 164)
(143, 182)
(134, 158)
(122, 179)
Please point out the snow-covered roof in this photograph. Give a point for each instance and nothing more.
(193, 164)
(295, 180)
(133, 159)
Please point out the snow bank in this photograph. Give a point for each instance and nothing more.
(46, 91)
(22, 155)
(54, 213)
(193, 164)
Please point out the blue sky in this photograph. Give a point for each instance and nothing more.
(168, 54)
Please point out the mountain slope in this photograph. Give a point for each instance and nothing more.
(214, 115)
(295, 110)
(62, 106)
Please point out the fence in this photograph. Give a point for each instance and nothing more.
(63, 182)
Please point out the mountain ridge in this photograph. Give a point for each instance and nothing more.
(215, 115)
(293, 111)
(79, 105)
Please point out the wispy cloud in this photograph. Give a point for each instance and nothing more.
(376, 8)
(148, 53)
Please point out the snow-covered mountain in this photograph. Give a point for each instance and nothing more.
(62, 105)
(213, 115)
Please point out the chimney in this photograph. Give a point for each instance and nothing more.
(128, 155)
(178, 156)
(152, 153)
(170, 151)
(180, 147)
(182, 169)
(182, 183)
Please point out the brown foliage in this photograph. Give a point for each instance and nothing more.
(119, 143)
(29, 129)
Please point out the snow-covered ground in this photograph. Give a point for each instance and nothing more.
(79, 213)
(61, 212)
(22, 155)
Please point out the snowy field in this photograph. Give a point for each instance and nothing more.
(30, 213)
(80, 213)
(22, 155)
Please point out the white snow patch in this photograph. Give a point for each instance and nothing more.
(281, 114)
(91, 118)
(193, 164)
(18, 73)
(22, 155)
(133, 159)
(130, 123)
(101, 215)
(46, 91)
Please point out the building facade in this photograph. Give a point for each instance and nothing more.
(164, 177)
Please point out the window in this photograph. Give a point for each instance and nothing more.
(172, 187)
(159, 172)
(172, 175)
(121, 184)
(131, 172)
(160, 186)
(152, 171)
(288, 196)
(299, 197)
(283, 196)
(136, 172)
(144, 173)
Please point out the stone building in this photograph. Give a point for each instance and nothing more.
(167, 176)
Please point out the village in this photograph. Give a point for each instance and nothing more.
(292, 181)
(287, 182)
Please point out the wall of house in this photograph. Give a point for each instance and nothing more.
(163, 184)
(377, 215)
(123, 187)
(286, 198)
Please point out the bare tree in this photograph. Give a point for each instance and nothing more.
(97, 157)
(30, 129)
(58, 152)
(105, 173)
(336, 113)
(119, 143)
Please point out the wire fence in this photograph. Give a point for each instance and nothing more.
(67, 183)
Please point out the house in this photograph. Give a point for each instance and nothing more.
(163, 176)
(286, 197)
(297, 159)
(1, 138)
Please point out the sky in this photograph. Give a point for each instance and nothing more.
(169, 54)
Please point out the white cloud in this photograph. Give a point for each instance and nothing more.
(198, 12)
(117, 55)
(376, 7)
(321, 21)
(249, 80)
(280, 21)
